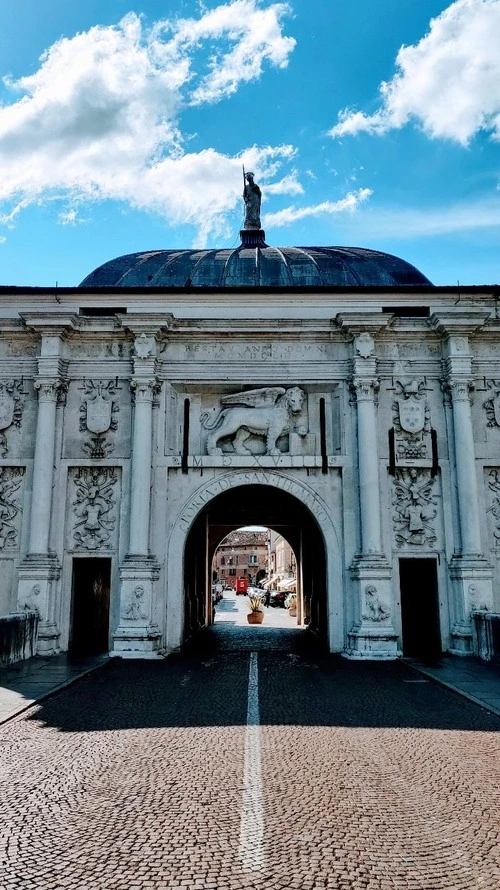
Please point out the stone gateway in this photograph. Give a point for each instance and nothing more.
(332, 394)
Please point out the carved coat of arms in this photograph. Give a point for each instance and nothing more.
(7, 406)
(492, 404)
(98, 415)
(412, 414)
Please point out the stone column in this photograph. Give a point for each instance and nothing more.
(469, 570)
(41, 499)
(465, 462)
(138, 635)
(140, 489)
(40, 569)
(372, 635)
(366, 389)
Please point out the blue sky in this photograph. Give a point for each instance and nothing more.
(123, 126)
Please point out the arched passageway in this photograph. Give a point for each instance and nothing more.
(264, 506)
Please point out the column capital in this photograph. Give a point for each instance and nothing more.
(365, 388)
(144, 388)
(459, 388)
(50, 389)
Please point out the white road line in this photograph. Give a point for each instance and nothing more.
(251, 849)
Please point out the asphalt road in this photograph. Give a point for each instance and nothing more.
(257, 768)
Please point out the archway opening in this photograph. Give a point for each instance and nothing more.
(268, 507)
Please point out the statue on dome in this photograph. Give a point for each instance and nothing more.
(252, 197)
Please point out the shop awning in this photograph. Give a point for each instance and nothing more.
(287, 584)
(270, 581)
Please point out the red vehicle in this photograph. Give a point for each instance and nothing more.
(241, 585)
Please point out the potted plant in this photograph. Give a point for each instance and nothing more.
(256, 613)
(291, 604)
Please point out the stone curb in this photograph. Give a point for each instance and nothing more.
(53, 691)
(473, 698)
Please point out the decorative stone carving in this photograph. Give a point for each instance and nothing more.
(365, 345)
(365, 388)
(144, 346)
(133, 611)
(10, 409)
(94, 507)
(31, 600)
(492, 405)
(415, 508)
(494, 509)
(98, 415)
(412, 424)
(477, 600)
(266, 412)
(375, 608)
(10, 481)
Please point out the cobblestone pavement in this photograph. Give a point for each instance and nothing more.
(145, 776)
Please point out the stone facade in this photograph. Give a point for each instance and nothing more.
(117, 429)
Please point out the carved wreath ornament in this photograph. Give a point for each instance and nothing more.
(266, 412)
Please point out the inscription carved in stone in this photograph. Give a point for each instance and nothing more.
(412, 425)
(266, 412)
(10, 482)
(415, 507)
(94, 507)
(10, 410)
(98, 415)
(492, 405)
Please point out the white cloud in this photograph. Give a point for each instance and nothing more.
(3, 239)
(99, 119)
(291, 214)
(409, 222)
(449, 82)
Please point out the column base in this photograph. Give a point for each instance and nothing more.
(38, 576)
(138, 635)
(372, 636)
(472, 582)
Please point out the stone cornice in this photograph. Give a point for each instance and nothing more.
(53, 324)
(355, 323)
(461, 322)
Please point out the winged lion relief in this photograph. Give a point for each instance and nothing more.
(266, 412)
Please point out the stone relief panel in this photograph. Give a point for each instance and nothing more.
(133, 609)
(375, 609)
(258, 421)
(99, 416)
(11, 479)
(492, 404)
(493, 485)
(415, 508)
(94, 508)
(412, 424)
(11, 392)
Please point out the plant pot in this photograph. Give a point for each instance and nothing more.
(293, 611)
(255, 617)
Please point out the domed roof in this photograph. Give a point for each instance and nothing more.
(257, 266)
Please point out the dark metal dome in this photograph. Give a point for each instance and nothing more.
(258, 266)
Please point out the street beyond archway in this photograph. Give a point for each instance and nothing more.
(251, 770)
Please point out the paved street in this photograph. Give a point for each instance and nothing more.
(260, 769)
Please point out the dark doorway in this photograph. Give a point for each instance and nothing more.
(249, 505)
(90, 607)
(419, 608)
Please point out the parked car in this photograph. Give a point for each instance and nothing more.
(278, 598)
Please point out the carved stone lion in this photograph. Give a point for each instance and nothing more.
(262, 412)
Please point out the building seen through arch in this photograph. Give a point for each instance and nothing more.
(330, 394)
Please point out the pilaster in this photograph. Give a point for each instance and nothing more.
(372, 635)
(468, 567)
